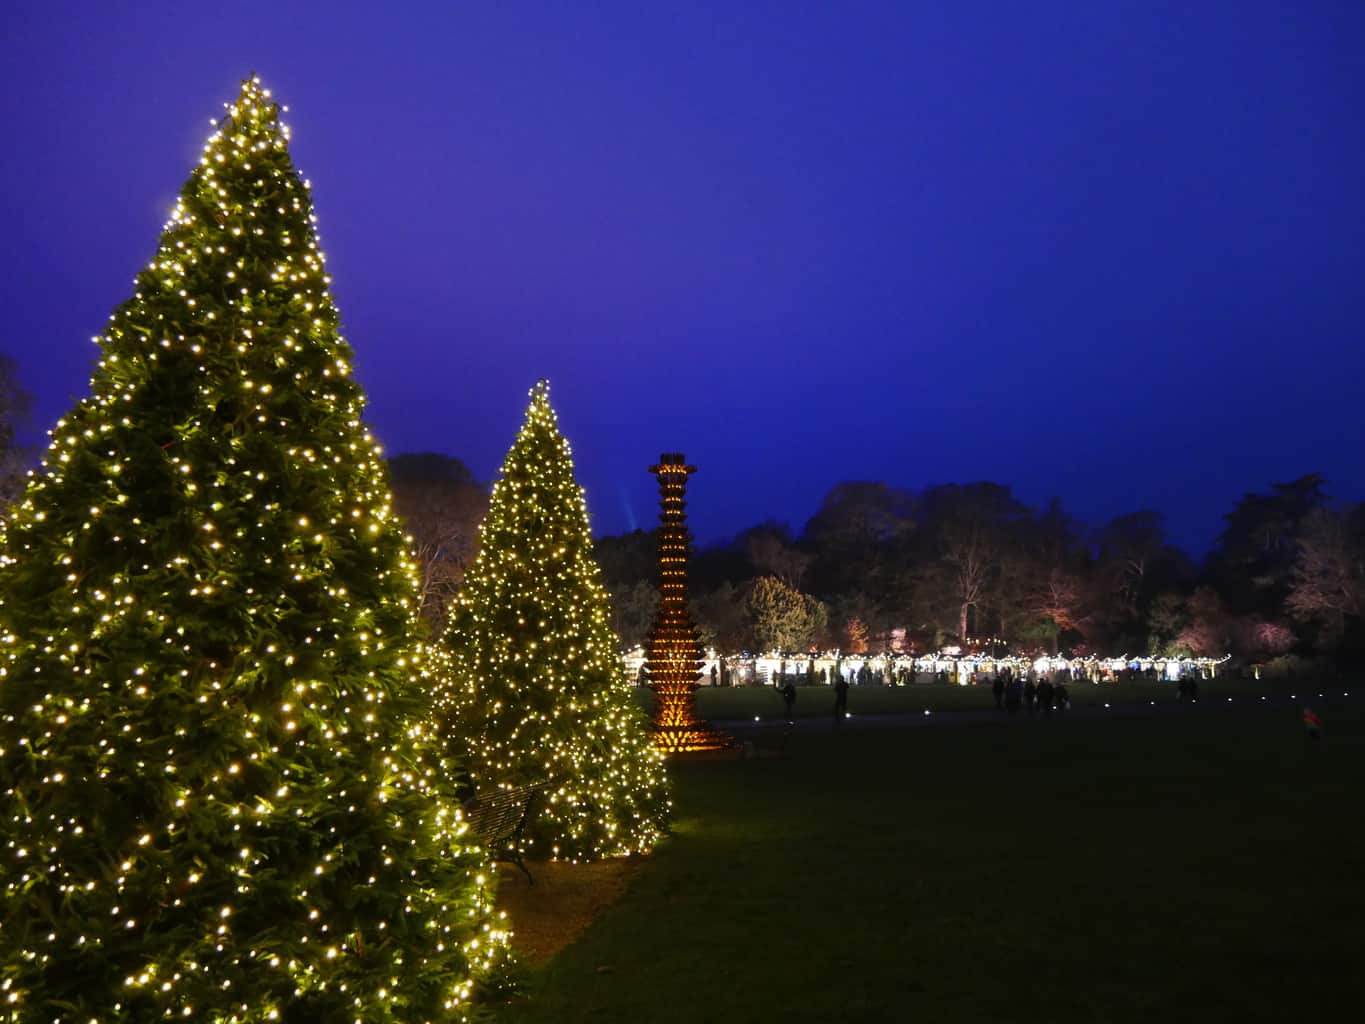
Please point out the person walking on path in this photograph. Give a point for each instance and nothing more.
(1030, 696)
(841, 697)
(1013, 696)
(998, 690)
(1312, 723)
(1060, 697)
(1045, 696)
(789, 695)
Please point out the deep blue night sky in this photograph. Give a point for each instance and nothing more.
(1111, 252)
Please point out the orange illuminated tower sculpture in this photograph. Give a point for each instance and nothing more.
(675, 654)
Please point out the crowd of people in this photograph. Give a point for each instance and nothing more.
(1036, 696)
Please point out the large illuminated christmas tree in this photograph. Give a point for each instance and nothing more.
(533, 684)
(216, 804)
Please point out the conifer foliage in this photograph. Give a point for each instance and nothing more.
(531, 668)
(216, 804)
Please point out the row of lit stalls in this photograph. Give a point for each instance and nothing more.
(904, 669)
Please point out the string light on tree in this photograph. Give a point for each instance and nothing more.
(219, 803)
(531, 680)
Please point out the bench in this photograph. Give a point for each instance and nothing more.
(499, 816)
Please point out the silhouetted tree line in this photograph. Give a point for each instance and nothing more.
(972, 564)
(15, 404)
(878, 566)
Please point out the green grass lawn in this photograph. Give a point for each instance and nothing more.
(1192, 866)
(722, 703)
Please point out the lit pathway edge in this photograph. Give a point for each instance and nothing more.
(746, 728)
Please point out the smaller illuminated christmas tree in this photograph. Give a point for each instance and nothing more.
(532, 683)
